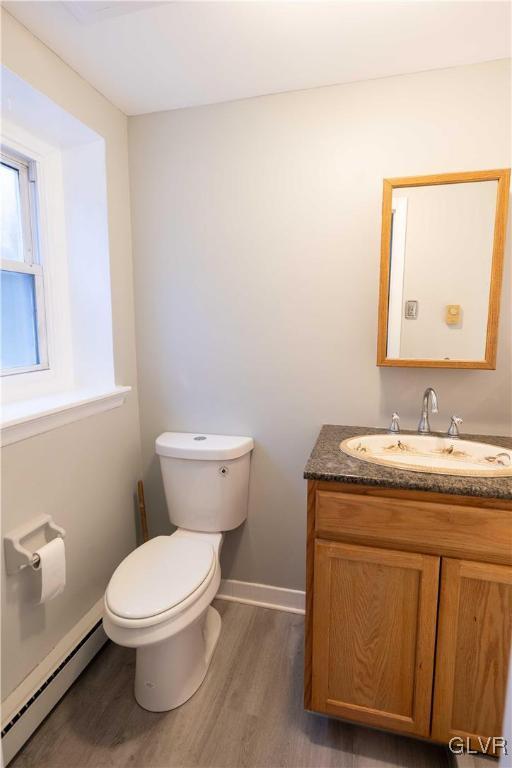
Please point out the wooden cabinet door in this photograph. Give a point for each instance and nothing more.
(473, 647)
(374, 623)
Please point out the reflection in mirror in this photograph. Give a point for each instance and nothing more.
(442, 259)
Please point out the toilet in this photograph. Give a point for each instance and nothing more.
(159, 598)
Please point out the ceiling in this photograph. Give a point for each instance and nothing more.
(152, 56)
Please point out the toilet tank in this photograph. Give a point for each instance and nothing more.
(206, 479)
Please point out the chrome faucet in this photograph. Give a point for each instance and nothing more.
(394, 427)
(429, 397)
(453, 429)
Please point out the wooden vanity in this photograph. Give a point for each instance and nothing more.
(409, 598)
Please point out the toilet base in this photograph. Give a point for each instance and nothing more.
(169, 673)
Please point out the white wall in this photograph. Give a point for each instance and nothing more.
(83, 474)
(506, 759)
(256, 228)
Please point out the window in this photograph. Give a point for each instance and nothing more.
(23, 346)
(56, 353)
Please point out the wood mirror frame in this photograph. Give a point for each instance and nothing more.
(503, 178)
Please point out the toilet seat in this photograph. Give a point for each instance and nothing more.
(160, 576)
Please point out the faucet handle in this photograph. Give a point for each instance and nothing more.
(395, 423)
(453, 429)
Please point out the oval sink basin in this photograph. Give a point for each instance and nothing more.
(429, 453)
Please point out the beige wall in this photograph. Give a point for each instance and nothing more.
(83, 474)
(256, 229)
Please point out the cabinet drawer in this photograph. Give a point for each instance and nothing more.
(474, 533)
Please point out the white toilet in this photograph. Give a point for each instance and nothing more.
(158, 599)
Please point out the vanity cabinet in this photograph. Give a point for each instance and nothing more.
(473, 647)
(374, 635)
(409, 610)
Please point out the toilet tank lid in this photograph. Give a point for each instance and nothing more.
(198, 445)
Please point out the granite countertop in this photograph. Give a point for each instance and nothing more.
(328, 462)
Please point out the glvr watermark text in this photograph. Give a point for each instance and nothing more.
(493, 745)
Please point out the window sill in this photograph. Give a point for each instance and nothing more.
(33, 417)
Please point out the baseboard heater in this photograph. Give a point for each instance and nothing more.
(25, 721)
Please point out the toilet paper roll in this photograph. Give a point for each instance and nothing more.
(52, 568)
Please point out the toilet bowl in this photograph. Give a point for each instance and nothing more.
(158, 599)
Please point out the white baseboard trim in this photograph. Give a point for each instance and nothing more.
(36, 696)
(264, 595)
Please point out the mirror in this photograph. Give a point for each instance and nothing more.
(441, 269)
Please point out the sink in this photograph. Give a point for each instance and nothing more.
(431, 453)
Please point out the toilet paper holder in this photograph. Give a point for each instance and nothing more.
(17, 556)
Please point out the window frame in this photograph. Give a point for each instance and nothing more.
(31, 264)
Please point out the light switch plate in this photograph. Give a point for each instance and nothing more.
(411, 309)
